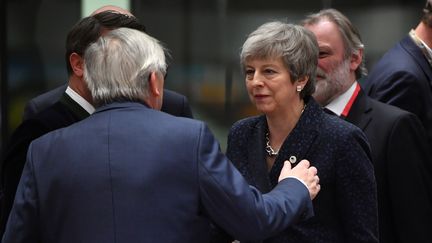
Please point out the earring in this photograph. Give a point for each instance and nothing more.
(299, 88)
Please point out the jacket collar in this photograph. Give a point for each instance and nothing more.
(361, 111)
(77, 110)
(121, 105)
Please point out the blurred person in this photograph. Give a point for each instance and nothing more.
(110, 177)
(74, 104)
(397, 138)
(403, 76)
(280, 62)
(173, 103)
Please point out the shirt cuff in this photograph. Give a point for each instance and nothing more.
(295, 177)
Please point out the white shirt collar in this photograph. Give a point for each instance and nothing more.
(80, 100)
(338, 105)
(422, 45)
(428, 49)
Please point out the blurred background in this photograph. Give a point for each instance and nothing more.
(204, 38)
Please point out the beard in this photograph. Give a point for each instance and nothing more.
(332, 83)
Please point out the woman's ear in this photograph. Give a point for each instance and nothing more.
(77, 64)
(302, 81)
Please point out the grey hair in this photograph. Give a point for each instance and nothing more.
(118, 65)
(350, 35)
(296, 45)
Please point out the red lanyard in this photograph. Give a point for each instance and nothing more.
(351, 101)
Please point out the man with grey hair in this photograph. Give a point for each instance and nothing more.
(403, 76)
(397, 140)
(130, 173)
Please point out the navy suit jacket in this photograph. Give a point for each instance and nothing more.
(132, 174)
(400, 156)
(403, 78)
(173, 103)
(346, 207)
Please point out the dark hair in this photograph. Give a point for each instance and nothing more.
(89, 29)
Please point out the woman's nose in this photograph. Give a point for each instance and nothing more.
(257, 80)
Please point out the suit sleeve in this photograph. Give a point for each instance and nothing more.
(23, 220)
(240, 209)
(409, 180)
(217, 234)
(356, 190)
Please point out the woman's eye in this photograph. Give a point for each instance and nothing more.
(249, 73)
(269, 71)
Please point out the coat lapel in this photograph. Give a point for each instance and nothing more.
(299, 142)
(361, 111)
(257, 156)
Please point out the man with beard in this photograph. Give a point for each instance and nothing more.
(397, 139)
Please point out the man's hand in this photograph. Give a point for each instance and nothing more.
(304, 172)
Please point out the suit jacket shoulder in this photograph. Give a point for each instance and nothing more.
(404, 57)
(403, 70)
(403, 78)
(176, 104)
(43, 101)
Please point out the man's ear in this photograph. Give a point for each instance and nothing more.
(154, 100)
(77, 64)
(356, 59)
(154, 86)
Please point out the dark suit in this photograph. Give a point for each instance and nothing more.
(399, 155)
(173, 103)
(132, 174)
(346, 207)
(403, 78)
(61, 114)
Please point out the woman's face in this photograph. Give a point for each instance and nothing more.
(269, 85)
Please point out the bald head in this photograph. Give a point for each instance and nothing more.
(111, 8)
